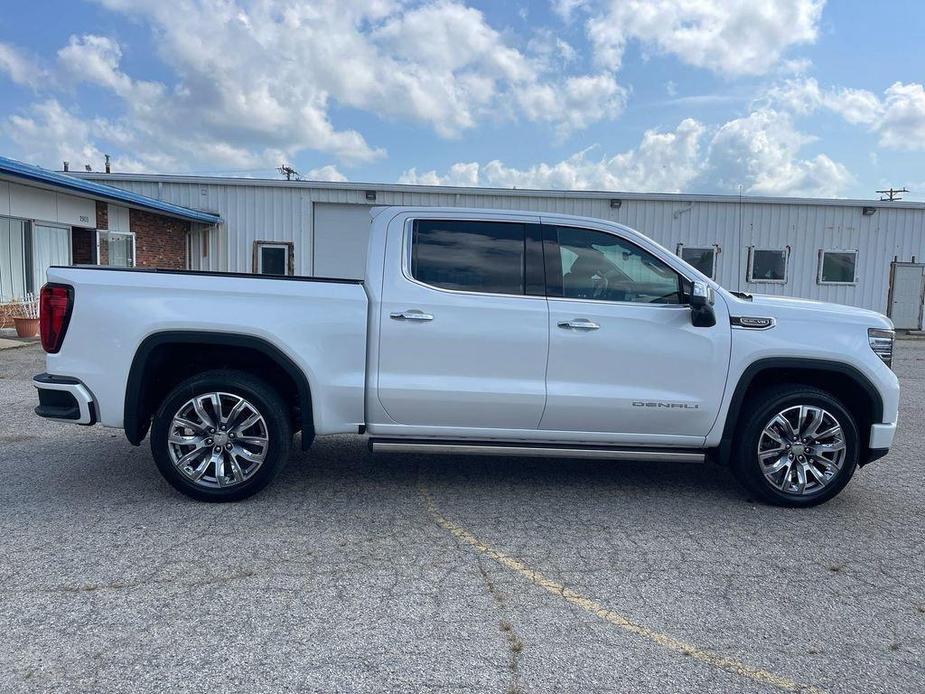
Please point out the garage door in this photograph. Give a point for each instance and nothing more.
(341, 234)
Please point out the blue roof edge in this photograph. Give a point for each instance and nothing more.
(37, 174)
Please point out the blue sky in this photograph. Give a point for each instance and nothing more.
(794, 97)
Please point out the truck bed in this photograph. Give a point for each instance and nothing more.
(318, 323)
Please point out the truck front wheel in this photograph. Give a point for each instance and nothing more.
(221, 435)
(797, 446)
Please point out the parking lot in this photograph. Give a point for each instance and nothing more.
(411, 573)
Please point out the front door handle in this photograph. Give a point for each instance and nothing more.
(579, 324)
(413, 314)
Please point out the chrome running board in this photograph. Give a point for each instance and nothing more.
(536, 451)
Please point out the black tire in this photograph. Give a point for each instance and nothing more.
(758, 412)
(276, 428)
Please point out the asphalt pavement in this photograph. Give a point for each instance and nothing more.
(362, 573)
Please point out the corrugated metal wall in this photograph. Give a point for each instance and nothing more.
(253, 212)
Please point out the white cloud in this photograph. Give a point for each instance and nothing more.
(95, 59)
(18, 67)
(566, 8)
(759, 152)
(575, 105)
(664, 161)
(326, 173)
(803, 96)
(903, 122)
(898, 117)
(261, 88)
(50, 134)
(731, 37)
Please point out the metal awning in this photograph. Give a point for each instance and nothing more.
(10, 168)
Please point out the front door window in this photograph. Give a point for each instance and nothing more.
(600, 266)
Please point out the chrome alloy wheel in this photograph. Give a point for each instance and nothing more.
(801, 449)
(218, 440)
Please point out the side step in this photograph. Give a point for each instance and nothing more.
(527, 450)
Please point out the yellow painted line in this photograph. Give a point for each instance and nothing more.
(665, 641)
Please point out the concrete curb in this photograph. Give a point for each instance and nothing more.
(13, 344)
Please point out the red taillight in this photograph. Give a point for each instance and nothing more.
(54, 313)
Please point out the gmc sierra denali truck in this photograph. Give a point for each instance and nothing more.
(480, 332)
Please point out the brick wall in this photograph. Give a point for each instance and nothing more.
(159, 241)
(102, 215)
(102, 222)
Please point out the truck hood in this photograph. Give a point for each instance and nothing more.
(784, 307)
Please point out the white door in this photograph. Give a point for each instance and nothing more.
(906, 296)
(341, 235)
(50, 246)
(624, 358)
(461, 344)
(12, 259)
(121, 249)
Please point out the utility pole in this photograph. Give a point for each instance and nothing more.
(892, 194)
(289, 172)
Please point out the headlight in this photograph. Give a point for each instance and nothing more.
(881, 341)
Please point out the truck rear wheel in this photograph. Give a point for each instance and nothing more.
(221, 435)
(797, 446)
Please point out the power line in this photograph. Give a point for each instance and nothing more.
(892, 194)
(289, 172)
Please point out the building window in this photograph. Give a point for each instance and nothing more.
(485, 257)
(702, 259)
(838, 267)
(273, 258)
(767, 265)
(121, 248)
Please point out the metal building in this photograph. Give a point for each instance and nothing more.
(859, 252)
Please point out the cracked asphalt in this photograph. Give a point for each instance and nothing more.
(342, 577)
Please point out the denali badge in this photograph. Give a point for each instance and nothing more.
(751, 322)
(672, 405)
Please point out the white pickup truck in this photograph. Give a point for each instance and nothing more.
(478, 332)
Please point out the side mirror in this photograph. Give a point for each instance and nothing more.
(701, 303)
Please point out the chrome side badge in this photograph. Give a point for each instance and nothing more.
(751, 322)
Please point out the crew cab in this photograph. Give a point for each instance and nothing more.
(478, 332)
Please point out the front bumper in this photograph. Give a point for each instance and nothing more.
(881, 438)
(64, 399)
(881, 435)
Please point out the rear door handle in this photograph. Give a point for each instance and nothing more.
(579, 324)
(413, 314)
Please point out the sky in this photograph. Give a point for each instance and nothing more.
(785, 97)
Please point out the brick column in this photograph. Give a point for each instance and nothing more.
(102, 223)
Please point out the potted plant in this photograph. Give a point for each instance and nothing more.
(26, 316)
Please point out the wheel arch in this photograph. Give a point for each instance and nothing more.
(142, 399)
(853, 388)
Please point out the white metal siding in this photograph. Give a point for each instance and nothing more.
(118, 218)
(341, 240)
(278, 211)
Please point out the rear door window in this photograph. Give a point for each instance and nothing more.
(469, 256)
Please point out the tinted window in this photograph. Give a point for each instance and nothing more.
(597, 265)
(700, 258)
(469, 256)
(768, 266)
(838, 267)
(272, 260)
